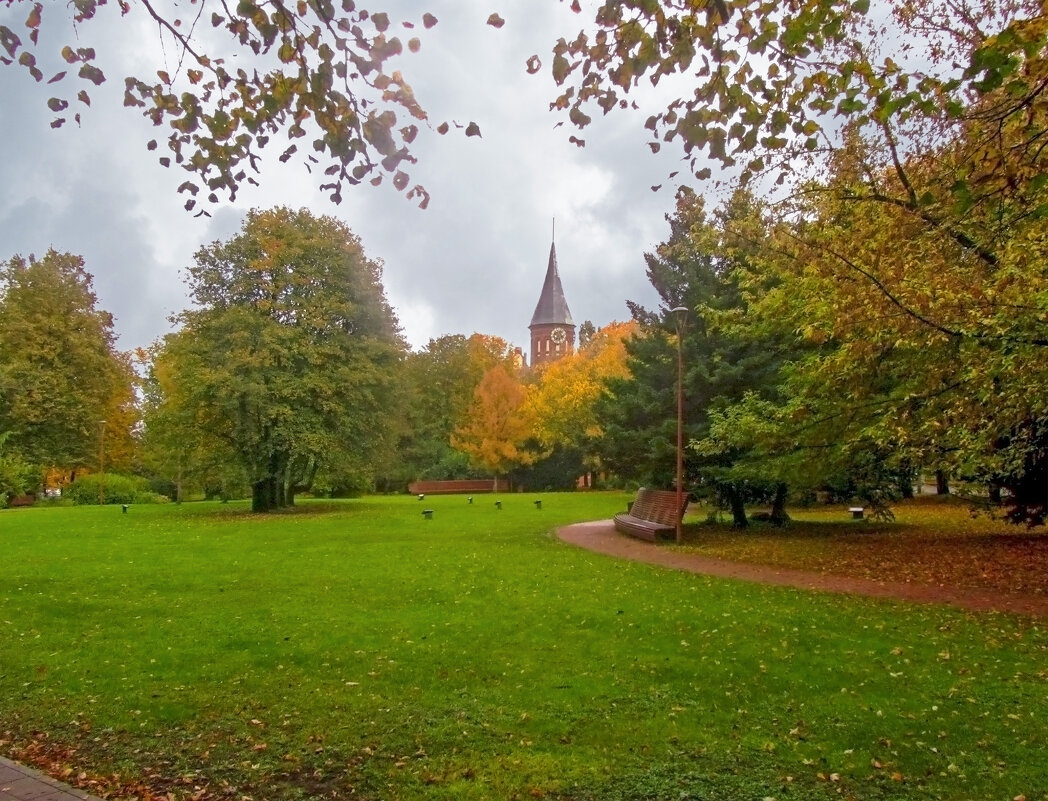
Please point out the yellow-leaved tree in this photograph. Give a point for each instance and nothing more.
(560, 405)
(495, 428)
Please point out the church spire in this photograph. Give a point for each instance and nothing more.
(552, 307)
(552, 329)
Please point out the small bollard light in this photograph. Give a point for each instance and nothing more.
(538, 504)
(470, 499)
(427, 513)
(123, 508)
(421, 496)
(498, 505)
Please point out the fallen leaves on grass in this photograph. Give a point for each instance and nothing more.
(933, 541)
(60, 761)
(65, 763)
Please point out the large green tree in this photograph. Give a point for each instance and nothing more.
(922, 350)
(63, 384)
(910, 136)
(695, 270)
(290, 356)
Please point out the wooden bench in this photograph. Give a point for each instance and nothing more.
(457, 486)
(653, 512)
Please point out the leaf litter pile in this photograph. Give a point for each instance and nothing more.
(935, 540)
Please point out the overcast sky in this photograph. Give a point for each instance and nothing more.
(473, 261)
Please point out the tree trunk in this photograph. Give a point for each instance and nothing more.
(778, 506)
(942, 483)
(178, 482)
(266, 494)
(994, 491)
(260, 496)
(300, 482)
(738, 509)
(906, 485)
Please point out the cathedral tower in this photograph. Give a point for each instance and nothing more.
(552, 329)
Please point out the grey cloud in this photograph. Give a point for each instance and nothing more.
(474, 261)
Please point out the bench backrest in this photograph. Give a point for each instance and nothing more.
(659, 506)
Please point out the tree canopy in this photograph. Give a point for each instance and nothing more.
(61, 377)
(769, 84)
(762, 88)
(312, 79)
(440, 382)
(694, 270)
(494, 431)
(290, 358)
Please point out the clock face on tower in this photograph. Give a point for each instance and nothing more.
(558, 335)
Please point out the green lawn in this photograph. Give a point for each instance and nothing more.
(355, 646)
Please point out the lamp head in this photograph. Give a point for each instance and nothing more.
(681, 314)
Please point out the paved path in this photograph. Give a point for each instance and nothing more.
(19, 783)
(601, 536)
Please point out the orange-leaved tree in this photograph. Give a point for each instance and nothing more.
(496, 428)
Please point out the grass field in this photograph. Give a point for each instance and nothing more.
(355, 650)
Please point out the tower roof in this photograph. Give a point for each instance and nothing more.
(552, 307)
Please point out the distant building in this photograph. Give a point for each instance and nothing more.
(552, 329)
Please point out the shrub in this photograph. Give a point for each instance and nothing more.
(57, 501)
(148, 496)
(117, 488)
(16, 475)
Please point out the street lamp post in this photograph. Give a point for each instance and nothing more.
(101, 461)
(680, 314)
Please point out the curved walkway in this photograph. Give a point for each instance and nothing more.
(600, 536)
